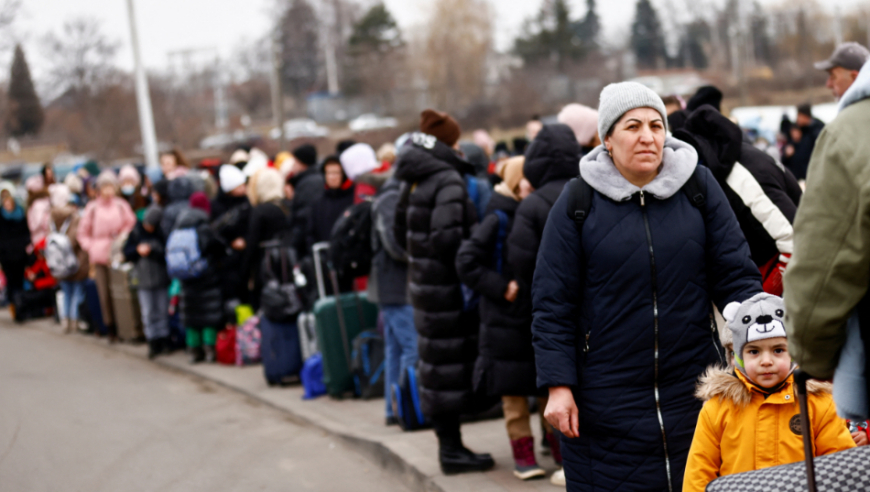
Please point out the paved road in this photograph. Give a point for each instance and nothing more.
(75, 416)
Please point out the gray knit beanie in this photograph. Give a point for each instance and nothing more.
(620, 98)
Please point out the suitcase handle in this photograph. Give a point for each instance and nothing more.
(800, 379)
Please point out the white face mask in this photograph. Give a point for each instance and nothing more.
(128, 190)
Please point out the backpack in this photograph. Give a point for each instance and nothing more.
(405, 399)
(184, 260)
(368, 364)
(248, 340)
(59, 253)
(478, 192)
(350, 245)
(580, 198)
(312, 377)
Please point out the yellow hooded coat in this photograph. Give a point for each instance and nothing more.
(739, 430)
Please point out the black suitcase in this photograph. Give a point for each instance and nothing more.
(843, 471)
(33, 304)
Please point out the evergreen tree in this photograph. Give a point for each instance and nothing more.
(300, 48)
(376, 31)
(692, 45)
(647, 39)
(25, 114)
(589, 28)
(550, 36)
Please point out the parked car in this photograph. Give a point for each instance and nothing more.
(224, 140)
(299, 128)
(371, 121)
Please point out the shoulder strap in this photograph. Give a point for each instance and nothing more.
(579, 202)
(696, 190)
(64, 227)
(500, 238)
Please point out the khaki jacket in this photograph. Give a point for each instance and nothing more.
(830, 269)
(739, 430)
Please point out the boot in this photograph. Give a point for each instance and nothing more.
(526, 467)
(197, 354)
(155, 347)
(456, 458)
(555, 447)
(210, 354)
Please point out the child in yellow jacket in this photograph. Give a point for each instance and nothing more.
(751, 417)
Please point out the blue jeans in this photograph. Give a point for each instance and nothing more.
(400, 344)
(154, 304)
(73, 295)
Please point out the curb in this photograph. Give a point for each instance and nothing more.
(376, 452)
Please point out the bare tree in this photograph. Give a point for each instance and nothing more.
(81, 57)
(457, 45)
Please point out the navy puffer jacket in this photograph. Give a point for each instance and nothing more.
(638, 283)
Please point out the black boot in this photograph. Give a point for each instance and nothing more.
(197, 354)
(210, 354)
(154, 347)
(456, 458)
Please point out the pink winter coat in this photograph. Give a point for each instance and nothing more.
(101, 223)
(37, 219)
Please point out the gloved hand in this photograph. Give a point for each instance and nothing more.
(772, 273)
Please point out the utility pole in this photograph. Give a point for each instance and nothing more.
(143, 97)
(277, 93)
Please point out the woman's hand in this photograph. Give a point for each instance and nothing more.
(144, 249)
(238, 244)
(562, 412)
(512, 290)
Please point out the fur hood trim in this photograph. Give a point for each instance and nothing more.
(679, 160)
(721, 382)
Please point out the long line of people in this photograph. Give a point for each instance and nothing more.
(595, 299)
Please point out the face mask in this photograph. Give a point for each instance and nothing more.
(128, 190)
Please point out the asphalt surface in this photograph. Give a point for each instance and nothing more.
(76, 416)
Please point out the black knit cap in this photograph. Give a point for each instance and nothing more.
(306, 154)
(344, 145)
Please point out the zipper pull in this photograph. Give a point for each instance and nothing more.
(586, 348)
(642, 201)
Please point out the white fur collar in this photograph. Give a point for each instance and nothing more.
(679, 162)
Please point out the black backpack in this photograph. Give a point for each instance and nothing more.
(580, 197)
(350, 245)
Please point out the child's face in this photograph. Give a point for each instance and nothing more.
(767, 362)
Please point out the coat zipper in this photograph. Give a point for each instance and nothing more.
(655, 296)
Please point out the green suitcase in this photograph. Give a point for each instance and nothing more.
(334, 343)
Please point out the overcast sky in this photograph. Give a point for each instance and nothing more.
(170, 25)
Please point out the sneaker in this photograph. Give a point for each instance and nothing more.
(526, 467)
(558, 478)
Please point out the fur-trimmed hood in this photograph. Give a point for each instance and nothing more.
(725, 384)
(679, 160)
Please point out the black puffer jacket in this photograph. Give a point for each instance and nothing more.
(308, 187)
(231, 216)
(201, 304)
(433, 216)
(506, 363)
(325, 212)
(551, 160)
(747, 176)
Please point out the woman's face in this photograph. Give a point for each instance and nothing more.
(333, 176)
(636, 145)
(8, 202)
(168, 163)
(107, 191)
(49, 175)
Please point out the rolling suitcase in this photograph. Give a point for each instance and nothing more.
(279, 352)
(846, 470)
(307, 335)
(34, 304)
(125, 302)
(338, 320)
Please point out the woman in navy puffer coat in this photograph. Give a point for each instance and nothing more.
(622, 315)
